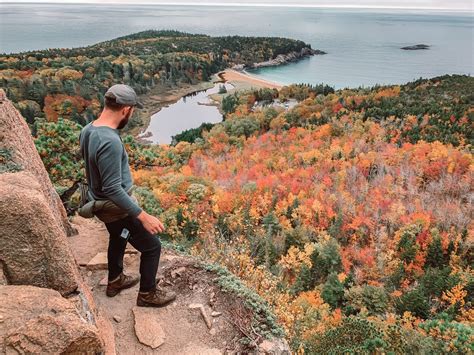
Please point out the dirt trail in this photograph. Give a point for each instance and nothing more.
(185, 330)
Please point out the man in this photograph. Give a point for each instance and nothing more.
(110, 183)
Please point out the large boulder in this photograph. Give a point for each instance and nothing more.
(15, 137)
(34, 251)
(38, 320)
(33, 246)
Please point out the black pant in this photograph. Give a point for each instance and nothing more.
(147, 244)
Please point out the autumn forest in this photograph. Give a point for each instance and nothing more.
(350, 214)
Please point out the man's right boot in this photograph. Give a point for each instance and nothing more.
(121, 283)
(155, 298)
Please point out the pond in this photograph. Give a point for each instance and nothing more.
(189, 112)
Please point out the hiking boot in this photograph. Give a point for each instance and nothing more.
(155, 298)
(121, 283)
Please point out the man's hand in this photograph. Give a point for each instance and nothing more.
(151, 223)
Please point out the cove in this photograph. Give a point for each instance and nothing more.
(189, 112)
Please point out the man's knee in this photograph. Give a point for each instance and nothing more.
(157, 244)
(153, 247)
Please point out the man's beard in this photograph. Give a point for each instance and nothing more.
(124, 121)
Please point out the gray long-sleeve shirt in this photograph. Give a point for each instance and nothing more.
(107, 169)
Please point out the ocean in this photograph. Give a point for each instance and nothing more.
(363, 45)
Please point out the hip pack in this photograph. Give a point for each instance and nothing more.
(106, 210)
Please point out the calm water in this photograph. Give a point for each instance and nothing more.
(189, 112)
(363, 45)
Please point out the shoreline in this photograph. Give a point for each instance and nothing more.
(160, 97)
(243, 80)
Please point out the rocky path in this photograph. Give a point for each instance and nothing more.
(196, 323)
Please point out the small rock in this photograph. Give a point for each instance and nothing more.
(216, 314)
(195, 305)
(89, 273)
(148, 328)
(212, 331)
(275, 346)
(206, 317)
(98, 262)
(128, 259)
(204, 314)
(104, 281)
(3, 278)
(117, 319)
(178, 272)
(169, 257)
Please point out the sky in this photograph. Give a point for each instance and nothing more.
(409, 4)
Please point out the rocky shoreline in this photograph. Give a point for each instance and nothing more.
(282, 59)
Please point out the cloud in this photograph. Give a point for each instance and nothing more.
(432, 4)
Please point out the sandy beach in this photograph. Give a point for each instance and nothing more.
(243, 80)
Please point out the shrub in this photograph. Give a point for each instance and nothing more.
(241, 127)
(333, 291)
(435, 281)
(354, 335)
(196, 192)
(415, 302)
(325, 259)
(58, 146)
(192, 134)
(373, 299)
(147, 201)
(262, 313)
(229, 103)
(451, 337)
(407, 246)
(434, 255)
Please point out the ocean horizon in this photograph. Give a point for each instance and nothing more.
(363, 44)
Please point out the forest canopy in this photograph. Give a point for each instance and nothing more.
(350, 213)
(70, 83)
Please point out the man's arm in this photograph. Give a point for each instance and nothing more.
(109, 162)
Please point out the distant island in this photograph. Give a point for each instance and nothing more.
(416, 47)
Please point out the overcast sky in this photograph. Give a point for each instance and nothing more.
(434, 4)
